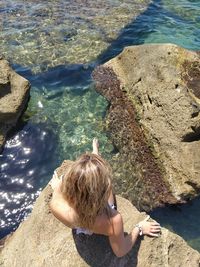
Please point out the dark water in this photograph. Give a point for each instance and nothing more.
(28, 158)
(65, 112)
(183, 220)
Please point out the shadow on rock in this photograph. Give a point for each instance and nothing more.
(95, 250)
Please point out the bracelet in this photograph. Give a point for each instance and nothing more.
(140, 229)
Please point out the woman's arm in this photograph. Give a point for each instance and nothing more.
(95, 150)
(95, 146)
(121, 244)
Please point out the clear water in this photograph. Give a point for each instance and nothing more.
(42, 34)
(57, 50)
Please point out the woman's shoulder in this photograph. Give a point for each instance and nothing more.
(107, 224)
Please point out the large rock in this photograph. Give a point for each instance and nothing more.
(42, 241)
(154, 122)
(14, 94)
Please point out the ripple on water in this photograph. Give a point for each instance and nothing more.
(43, 34)
(78, 117)
(27, 161)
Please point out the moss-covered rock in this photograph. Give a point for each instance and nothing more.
(154, 122)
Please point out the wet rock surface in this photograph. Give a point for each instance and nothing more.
(14, 94)
(43, 241)
(154, 122)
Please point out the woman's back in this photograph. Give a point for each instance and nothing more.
(68, 216)
(83, 198)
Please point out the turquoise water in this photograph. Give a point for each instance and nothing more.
(57, 51)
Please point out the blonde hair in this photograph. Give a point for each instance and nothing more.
(87, 186)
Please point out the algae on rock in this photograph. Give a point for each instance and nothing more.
(154, 122)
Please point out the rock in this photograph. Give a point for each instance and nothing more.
(14, 94)
(42, 240)
(154, 122)
(4, 80)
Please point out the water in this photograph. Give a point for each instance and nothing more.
(183, 220)
(42, 34)
(27, 159)
(56, 45)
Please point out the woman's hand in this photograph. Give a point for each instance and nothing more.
(55, 181)
(150, 228)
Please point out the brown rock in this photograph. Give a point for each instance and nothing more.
(42, 240)
(14, 94)
(154, 122)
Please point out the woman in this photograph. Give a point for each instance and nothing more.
(83, 199)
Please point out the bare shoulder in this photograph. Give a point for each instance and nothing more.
(107, 225)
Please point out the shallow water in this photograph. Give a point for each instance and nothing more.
(43, 34)
(60, 122)
(65, 112)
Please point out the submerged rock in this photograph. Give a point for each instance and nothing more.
(14, 94)
(48, 34)
(154, 122)
(42, 240)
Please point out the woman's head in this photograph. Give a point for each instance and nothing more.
(87, 186)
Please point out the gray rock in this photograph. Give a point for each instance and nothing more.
(4, 80)
(154, 122)
(14, 94)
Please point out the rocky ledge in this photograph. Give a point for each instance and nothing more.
(42, 240)
(14, 94)
(154, 122)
